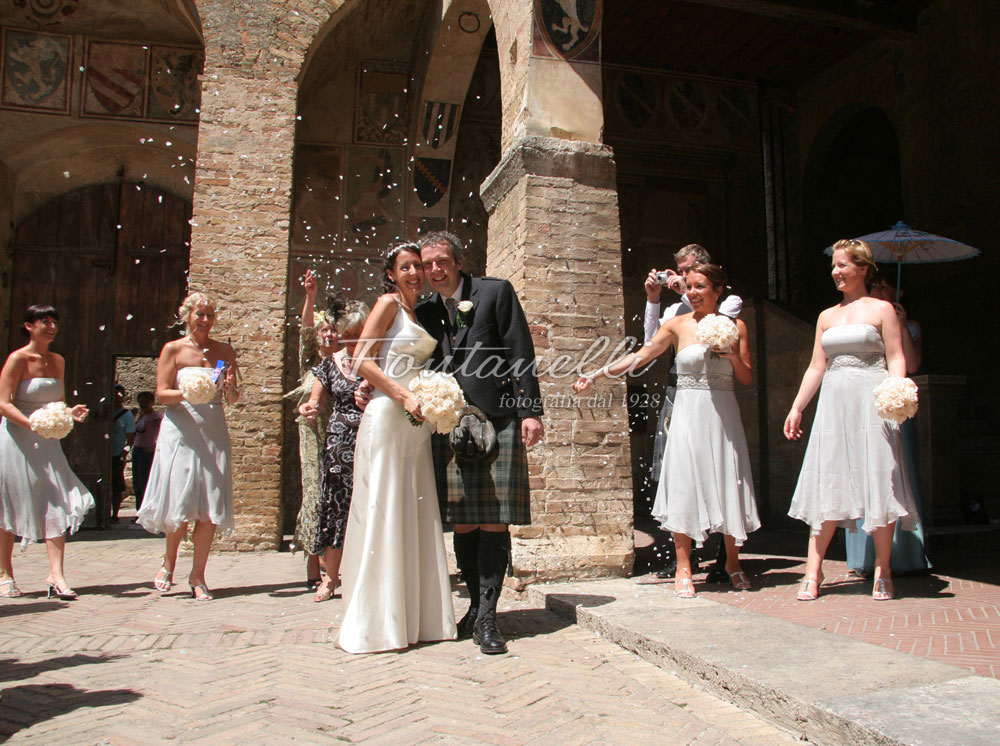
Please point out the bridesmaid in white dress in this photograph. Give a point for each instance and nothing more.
(853, 466)
(706, 485)
(394, 570)
(40, 496)
(191, 479)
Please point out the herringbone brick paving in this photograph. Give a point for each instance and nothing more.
(126, 665)
(948, 619)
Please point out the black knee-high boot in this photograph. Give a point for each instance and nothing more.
(494, 551)
(467, 558)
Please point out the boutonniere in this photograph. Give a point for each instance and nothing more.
(463, 314)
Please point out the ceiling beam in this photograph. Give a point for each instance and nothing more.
(869, 16)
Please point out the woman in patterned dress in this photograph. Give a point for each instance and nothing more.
(318, 339)
(336, 383)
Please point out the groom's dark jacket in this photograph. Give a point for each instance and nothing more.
(493, 358)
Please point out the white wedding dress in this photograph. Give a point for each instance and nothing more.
(706, 485)
(40, 496)
(394, 569)
(191, 477)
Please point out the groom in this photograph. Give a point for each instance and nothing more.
(484, 341)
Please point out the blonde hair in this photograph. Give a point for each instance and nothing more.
(354, 314)
(189, 304)
(861, 254)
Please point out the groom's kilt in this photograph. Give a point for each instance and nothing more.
(484, 491)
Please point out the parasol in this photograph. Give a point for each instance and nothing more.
(902, 244)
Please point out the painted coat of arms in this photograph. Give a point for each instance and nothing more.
(36, 70)
(569, 27)
(115, 80)
(174, 92)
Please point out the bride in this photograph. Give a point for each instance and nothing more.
(394, 570)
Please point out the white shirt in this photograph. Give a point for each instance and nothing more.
(730, 306)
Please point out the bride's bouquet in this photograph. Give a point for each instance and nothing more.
(53, 421)
(717, 331)
(198, 385)
(896, 399)
(441, 400)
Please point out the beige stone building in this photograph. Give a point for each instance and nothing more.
(574, 144)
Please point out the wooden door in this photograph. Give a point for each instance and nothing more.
(112, 259)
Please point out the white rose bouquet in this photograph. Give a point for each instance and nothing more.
(198, 386)
(896, 399)
(717, 331)
(53, 421)
(441, 400)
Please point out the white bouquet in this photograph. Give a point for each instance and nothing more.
(896, 399)
(441, 400)
(717, 331)
(198, 385)
(53, 421)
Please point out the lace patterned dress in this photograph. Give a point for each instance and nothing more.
(394, 570)
(337, 462)
(853, 467)
(706, 485)
(40, 496)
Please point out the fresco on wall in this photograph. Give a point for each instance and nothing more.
(430, 179)
(174, 93)
(373, 196)
(114, 82)
(36, 71)
(440, 122)
(317, 200)
(46, 12)
(568, 29)
(381, 110)
(679, 108)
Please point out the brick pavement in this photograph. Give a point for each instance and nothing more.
(126, 665)
(953, 620)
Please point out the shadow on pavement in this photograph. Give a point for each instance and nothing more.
(524, 623)
(24, 606)
(14, 670)
(24, 706)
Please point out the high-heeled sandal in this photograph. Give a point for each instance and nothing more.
(61, 590)
(164, 579)
(686, 589)
(740, 580)
(805, 593)
(12, 590)
(200, 592)
(883, 590)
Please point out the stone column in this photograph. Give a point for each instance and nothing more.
(239, 238)
(554, 234)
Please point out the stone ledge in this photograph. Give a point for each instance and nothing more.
(833, 690)
(587, 163)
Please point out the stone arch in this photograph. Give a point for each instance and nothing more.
(851, 186)
(47, 165)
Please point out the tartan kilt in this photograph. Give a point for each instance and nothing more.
(484, 491)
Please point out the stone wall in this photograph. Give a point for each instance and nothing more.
(239, 248)
(554, 234)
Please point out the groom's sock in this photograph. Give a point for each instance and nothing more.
(467, 558)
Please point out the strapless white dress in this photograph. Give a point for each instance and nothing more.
(706, 485)
(853, 467)
(191, 477)
(394, 570)
(40, 496)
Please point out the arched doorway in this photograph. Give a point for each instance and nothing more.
(112, 258)
(852, 187)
